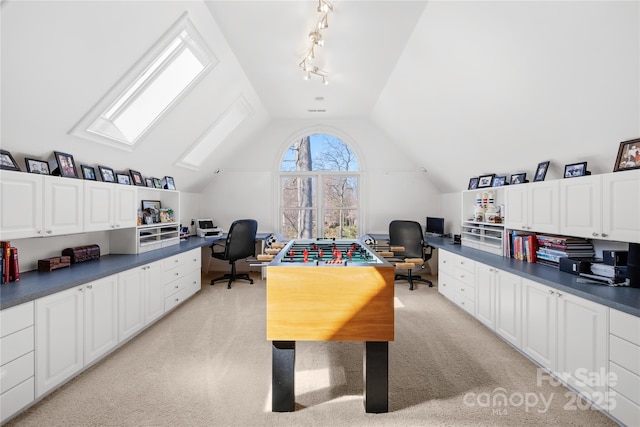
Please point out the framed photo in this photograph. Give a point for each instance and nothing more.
(169, 184)
(473, 183)
(136, 177)
(628, 156)
(518, 178)
(541, 171)
(7, 161)
(123, 178)
(149, 182)
(88, 172)
(576, 169)
(485, 180)
(37, 166)
(151, 204)
(157, 183)
(499, 181)
(107, 174)
(66, 165)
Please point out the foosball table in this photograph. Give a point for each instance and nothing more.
(330, 290)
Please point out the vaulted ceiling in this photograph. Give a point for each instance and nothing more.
(460, 88)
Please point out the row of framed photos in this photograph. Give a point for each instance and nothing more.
(491, 180)
(67, 168)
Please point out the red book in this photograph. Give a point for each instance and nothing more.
(14, 268)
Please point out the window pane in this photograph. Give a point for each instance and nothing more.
(298, 224)
(341, 223)
(340, 192)
(298, 192)
(319, 152)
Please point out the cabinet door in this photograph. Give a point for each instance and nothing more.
(539, 328)
(620, 207)
(580, 206)
(20, 205)
(63, 205)
(59, 338)
(485, 295)
(446, 285)
(507, 288)
(582, 344)
(98, 206)
(515, 215)
(125, 207)
(101, 317)
(130, 303)
(153, 275)
(543, 207)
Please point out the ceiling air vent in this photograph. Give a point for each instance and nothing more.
(317, 111)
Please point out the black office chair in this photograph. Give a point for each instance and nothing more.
(240, 244)
(410, 236)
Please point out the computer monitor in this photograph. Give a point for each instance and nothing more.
(435, 226)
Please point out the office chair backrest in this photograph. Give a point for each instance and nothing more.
(407, 234)
(241, 240)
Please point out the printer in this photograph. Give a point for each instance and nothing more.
(205, 228)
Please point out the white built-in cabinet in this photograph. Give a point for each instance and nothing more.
(624, 367)
(35, 205)
(108, 206)
(446, 267)
(533, 207)
(74, 328)
(563, 333)
(131, 292)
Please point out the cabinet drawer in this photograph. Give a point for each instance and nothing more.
(176, 273)
(175, 299)
(16, 398)
(625, 410)
(464, 302)
(465, 291)
(465, 277)
(176, 286)
(465, 264)
(174, 261)
(15, 345)
(15, 318)
(625, 326)
(16, 371)
(625, 382)
(624, 354)
(446, 261)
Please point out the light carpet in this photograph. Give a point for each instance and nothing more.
(208, 364)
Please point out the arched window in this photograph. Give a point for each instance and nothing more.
(319, 189)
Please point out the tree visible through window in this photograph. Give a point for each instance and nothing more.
(319, 179)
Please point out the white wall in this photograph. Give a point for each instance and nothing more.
(393, 185)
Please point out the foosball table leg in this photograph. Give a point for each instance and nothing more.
(283, 398)
(376, 376)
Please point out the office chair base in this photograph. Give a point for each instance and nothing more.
(411, 278)
(232, 278)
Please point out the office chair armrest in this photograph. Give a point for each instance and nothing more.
(428, 252)
(213, 245)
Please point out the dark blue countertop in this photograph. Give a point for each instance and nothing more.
(621, 298)
(34, 284)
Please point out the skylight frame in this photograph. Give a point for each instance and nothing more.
(99, 124)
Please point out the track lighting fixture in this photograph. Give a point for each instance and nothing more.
(316, 39)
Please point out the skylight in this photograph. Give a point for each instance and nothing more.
(151, 89)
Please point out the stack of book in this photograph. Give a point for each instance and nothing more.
(523, 246)
(551, 248)
(9, 268)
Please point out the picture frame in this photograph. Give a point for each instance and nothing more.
(123, 178)
(541, 171)
(157, 183)
(37, 166)
(628, 156)
(485, 180)
(151, 211)
(66, 165)
(136, 177)
(473, 183)
(88, 172)
(576, 169)
(518, 178)
(499, 181)
(7, 162)
(153, 204)
(169, 183)
(149, 182)
(107, 174)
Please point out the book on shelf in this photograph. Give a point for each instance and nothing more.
(522, 246)
(5, 246)
(14, 267)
